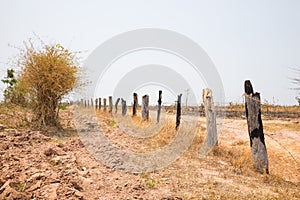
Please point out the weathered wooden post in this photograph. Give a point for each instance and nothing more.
(210, 113)
(159, 105)
(110, 103)
(124, 107)
(178, 113)
(96, 103)
(104, 104)
(135, 104)
(99, 100)
(92, 103)
(85, 103)
(255, 128)
(116, 105)
(145, 107)
(88, 103)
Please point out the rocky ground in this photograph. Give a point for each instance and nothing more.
(38, 165)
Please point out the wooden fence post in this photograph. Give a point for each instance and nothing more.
(255, 128)
(110, 103)
(88, 103)
(104, 104)
(99, 103)
(124, 107)
(178, 113)
(159, 105)
(135, 104)
(85, 103)
(210, 113)
(145, 107)
(96, 103)
(92, 103)
(116, 105)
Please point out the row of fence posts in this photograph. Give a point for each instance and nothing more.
(253, 114)
(144, 111)
(211, 138)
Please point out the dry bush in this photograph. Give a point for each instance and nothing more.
(48, 73)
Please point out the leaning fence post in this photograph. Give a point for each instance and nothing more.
(178, 113)
(211, 125)
(110, 103)
(255, 128)
(145, 107)
(116, 105)
(124, 107)
(104, 104)
(159, 105)
(135, 104)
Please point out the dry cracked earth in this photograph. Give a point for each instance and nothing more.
(34, 165)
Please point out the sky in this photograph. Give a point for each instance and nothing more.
(256, 40)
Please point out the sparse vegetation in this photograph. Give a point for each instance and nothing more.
(21, 186)
(296, 81)
(148, 180)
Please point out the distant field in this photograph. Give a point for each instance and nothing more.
(238, 111)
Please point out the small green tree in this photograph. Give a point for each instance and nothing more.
(296, 81)
(10, 81)
(48, 74)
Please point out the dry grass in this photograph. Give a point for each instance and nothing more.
(265, 108)
(14, 116)
(227, 172)
(140, 145)
(138, 121)
(290, 125)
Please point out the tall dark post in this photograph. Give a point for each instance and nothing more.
(178, 113)
(135, 104)
(116, 105)
(99, 100)
(96, 103)
(124, 107)
(92, 103)
(159, 105)
(110, 103)
(145, 107)
(104, 104)
(255, 128)
(85, 103)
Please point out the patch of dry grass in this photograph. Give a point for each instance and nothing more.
(127, 141)
(14, 116)
(138, 121)
(282, 125)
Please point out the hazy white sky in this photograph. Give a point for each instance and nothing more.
(257, 40)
